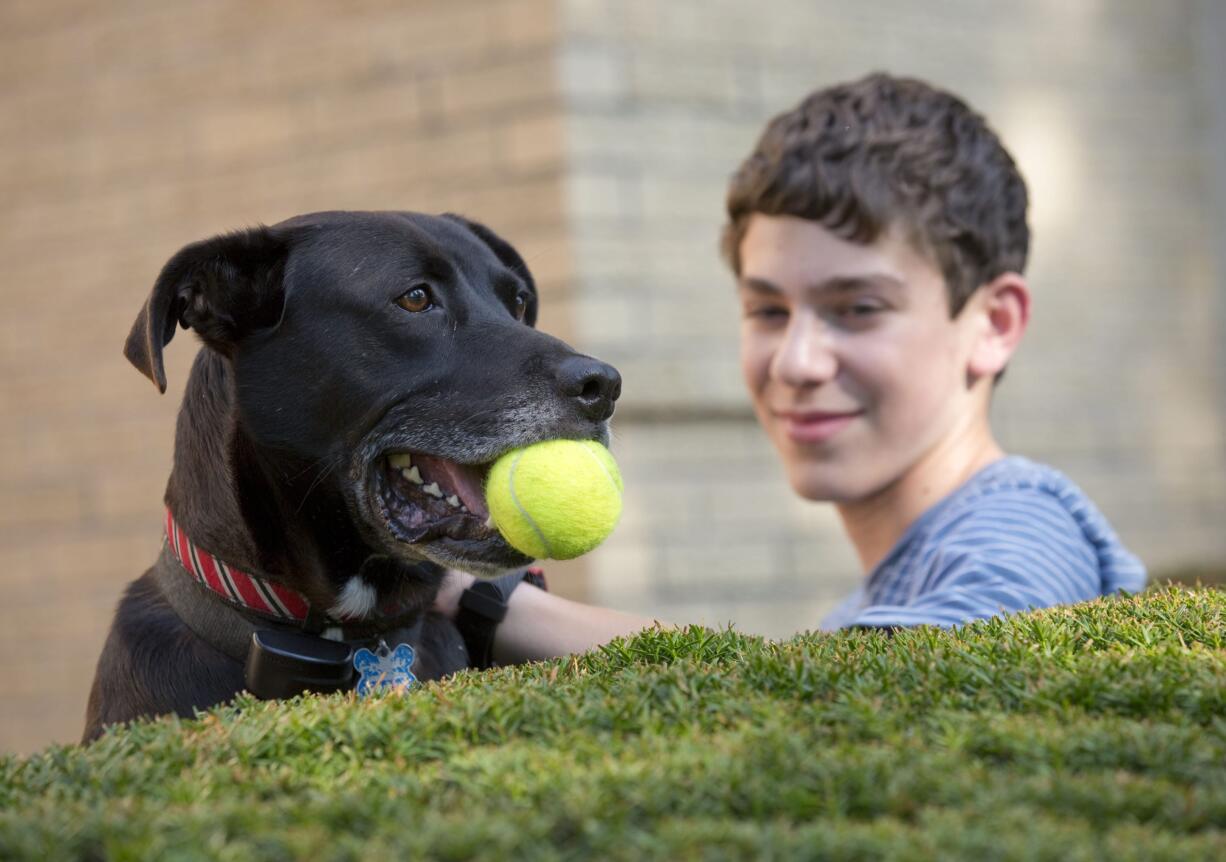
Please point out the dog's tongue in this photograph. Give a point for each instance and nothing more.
(465, 480)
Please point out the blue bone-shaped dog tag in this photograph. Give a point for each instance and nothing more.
(386, 669)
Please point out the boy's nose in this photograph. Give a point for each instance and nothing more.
(805, 357)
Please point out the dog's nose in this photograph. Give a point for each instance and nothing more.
(591, 383)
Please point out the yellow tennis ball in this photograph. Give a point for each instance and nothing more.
(555, 500)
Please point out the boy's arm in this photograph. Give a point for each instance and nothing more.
(540, 625)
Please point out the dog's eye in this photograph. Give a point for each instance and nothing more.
(520, 306)
(415, 299)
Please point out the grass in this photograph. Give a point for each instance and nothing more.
(1090, 732)
(1208, 575)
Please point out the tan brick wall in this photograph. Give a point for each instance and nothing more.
(128, 129)
(1121, 381)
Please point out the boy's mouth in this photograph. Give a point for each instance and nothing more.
(815, 426)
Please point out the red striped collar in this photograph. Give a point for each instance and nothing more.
(237, 587)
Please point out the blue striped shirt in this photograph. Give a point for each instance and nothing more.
(1017, 535)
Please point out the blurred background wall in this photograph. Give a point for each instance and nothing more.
(597, 136)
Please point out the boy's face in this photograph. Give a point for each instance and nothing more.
(856, 370)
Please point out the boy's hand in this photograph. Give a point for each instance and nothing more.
(447, 602)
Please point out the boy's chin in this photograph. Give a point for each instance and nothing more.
(830, 484)
(822, 489)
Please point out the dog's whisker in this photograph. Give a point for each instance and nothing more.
(316, 481)
(309, 467)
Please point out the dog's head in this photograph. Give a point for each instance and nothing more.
(399, 350)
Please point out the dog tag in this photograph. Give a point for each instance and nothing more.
(384, 668)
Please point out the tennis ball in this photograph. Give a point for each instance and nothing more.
(555, 500)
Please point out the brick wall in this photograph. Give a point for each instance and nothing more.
(1109, 110)
(128, 129)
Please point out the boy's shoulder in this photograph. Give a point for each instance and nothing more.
(1019, 507)
(1017, 535)
(1015, 473)
(1010, 488)
(1008, 509)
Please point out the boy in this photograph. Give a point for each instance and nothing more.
(878, 235)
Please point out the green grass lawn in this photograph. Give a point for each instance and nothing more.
(1091, 732)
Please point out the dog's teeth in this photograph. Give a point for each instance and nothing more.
(453, 501)
(401, 460)
(433, 490)
(489, 522)
(413, 475)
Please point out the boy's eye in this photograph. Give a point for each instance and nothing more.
(417, 298)
(858, 310)
(766, 312)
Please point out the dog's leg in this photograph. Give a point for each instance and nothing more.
(440, 648)
(152, 664)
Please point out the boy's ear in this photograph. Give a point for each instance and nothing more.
(223, 288)
(1003, 305)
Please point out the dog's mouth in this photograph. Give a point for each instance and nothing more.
(438, 506)
(425, 497)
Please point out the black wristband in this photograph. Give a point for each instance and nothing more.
(483, 606)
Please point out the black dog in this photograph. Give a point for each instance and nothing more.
(359, 374)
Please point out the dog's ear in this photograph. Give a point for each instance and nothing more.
(223, 288)
(506, 253)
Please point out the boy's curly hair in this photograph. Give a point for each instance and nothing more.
(862, 157)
